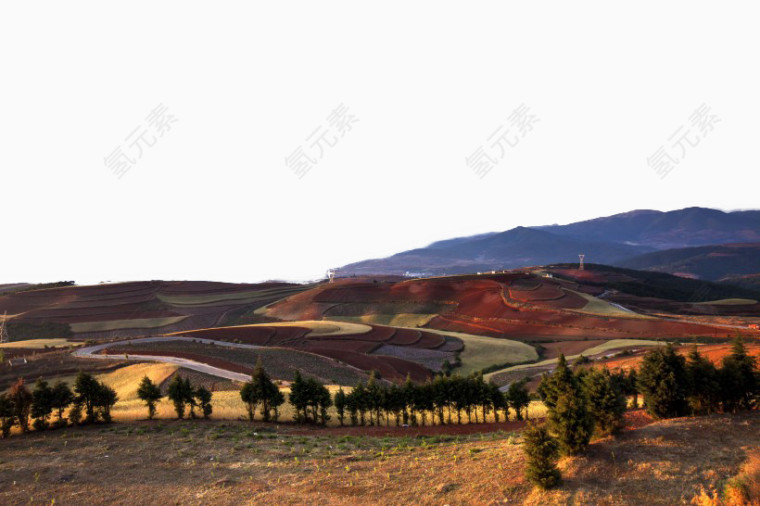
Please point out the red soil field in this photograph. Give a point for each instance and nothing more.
(714, 352)
(568, 348)
(405, 337)
(352, 348)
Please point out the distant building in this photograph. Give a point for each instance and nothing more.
(15, 362)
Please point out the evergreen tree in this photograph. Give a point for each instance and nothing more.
(299, 398)
(42, 400)
(662, 381)
(739, 379)
(277, 399)
(105, 399)
(87, 389)
(203, 398)
(606, 400)
(21, 400)
(542, 452)
(340, 405)
(150, 394)
(6, 415)
(553, 384)
(632, 387)
(188, 394)
(703, 384)
(176, 394)
(262, 391)
(62, 399)
(569, 418)
(518, 398)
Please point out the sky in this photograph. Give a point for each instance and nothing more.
(242, 141)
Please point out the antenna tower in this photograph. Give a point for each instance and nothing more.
(582, 257)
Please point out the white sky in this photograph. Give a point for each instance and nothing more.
(428, 81)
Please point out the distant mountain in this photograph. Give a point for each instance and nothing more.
(610, 240)
(514, 248)
(694, 226)
(704, 262)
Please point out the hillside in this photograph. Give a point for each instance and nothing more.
(610, 240)
(132, 309)
(705, 262)
(751, 281)
(229, 462)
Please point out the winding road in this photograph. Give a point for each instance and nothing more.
(92, 352)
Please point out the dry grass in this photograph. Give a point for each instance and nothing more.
(597, 306)
(394, 320)
(137, 323)
(212, 462)
(38, 344)
(728, 302)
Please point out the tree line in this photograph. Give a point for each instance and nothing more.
(90, 401)
(441, 400)
(583, 402)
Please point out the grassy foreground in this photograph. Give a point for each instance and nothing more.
(242, 463)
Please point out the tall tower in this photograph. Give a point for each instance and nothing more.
(331, 275)
(582, 257)
(3, 330)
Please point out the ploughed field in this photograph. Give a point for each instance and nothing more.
(392, 352)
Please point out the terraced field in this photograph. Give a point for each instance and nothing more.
(359, 349)
(280, 363)
(136, 309)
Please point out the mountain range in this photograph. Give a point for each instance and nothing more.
(695, 242)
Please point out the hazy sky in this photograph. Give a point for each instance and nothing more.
(209, 195)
